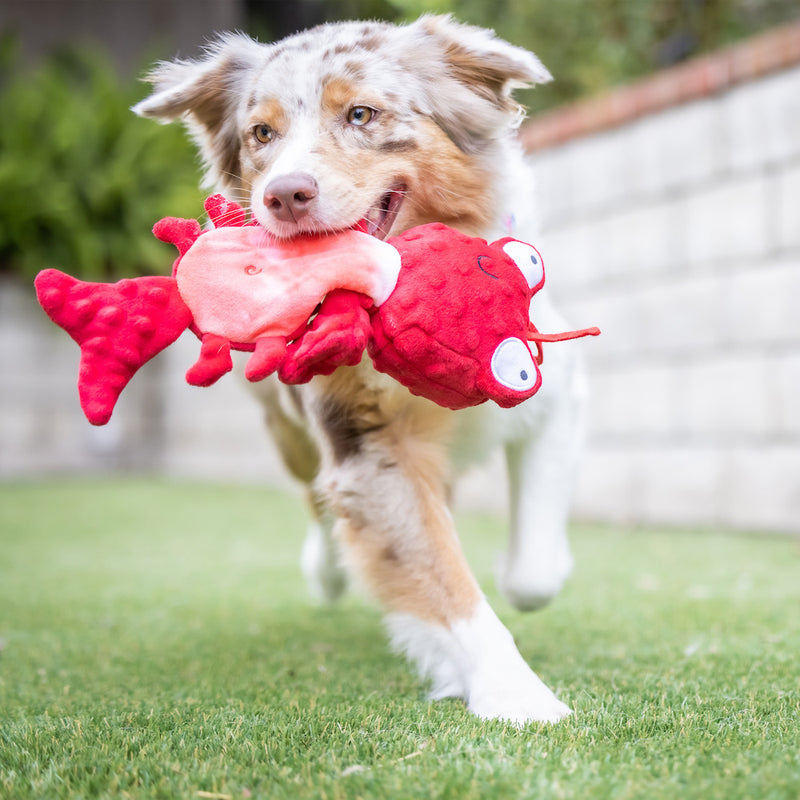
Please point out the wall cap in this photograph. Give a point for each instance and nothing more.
(698, 78)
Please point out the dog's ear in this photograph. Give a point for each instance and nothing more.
(205, 94)
(471, 75)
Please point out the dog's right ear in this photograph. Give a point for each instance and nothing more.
(468, 77)
(204, 93)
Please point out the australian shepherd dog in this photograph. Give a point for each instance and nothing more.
(390, 127)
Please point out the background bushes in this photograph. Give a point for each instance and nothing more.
(82, 179)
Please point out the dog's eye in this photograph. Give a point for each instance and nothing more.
(263, 133)
(360, 115)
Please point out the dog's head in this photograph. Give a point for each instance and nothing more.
(392, 125)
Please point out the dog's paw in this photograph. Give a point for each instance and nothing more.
(325, 576)
(531, 582)
(518, 696)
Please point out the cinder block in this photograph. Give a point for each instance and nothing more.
(620, 318)
(782, 388)
(216, 433)
(760, 489)
(680, 484)
(762, 120)
(729, 221)
(678, 317)
(760, 305)
(599, 170)
(633, 400)
(607, 485)
(677, 148)
(647, 238)
(680, 239)
(568, 258)
(605, 249)
(651, 483)
(788, 208)
(784, 102)
(723, 395)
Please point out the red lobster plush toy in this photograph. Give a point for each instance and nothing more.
(443, 313)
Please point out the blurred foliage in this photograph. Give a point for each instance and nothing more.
(82, 179)
(591, 45)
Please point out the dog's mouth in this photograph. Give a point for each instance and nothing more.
(381, 217)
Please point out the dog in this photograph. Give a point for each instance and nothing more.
(391, 126)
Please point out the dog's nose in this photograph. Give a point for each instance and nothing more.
(290, 197)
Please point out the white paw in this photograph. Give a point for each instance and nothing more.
(531, 581)
(500, 684)
(518, 696)
(321, 565)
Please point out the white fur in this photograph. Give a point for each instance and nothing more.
(321, 562)
(476, 659)
(541, 438)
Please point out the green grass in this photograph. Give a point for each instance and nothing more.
(157, 642)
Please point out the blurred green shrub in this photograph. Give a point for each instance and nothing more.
(591, 45)
(82, 179)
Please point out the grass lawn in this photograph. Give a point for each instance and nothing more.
(157, 642)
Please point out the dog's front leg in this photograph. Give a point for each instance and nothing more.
(386, 480)
(321, 561)
(542, 461)
(540, 473)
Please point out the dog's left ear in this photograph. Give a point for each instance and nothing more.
(471, 75)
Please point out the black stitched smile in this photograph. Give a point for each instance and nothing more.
(480, 266)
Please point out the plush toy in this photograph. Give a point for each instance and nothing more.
(443, 313)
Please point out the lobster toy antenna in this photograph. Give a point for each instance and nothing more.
(535, 336)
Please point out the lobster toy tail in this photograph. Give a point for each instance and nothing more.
(118, 326)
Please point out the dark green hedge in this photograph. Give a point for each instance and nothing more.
(592, 45)
(82, 179)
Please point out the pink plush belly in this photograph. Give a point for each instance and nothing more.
(241, 285)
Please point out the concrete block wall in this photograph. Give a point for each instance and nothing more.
(160, 423)
(671, 219)
(42, 428)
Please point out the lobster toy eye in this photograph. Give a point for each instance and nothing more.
(513, 366)
(529, 260)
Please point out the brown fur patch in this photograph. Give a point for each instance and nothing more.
(271, 112)
(346, 428)
(486, 75)
(415, 565)
(398, 146)
(390, 495)
(452, 186)
(337, 94)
